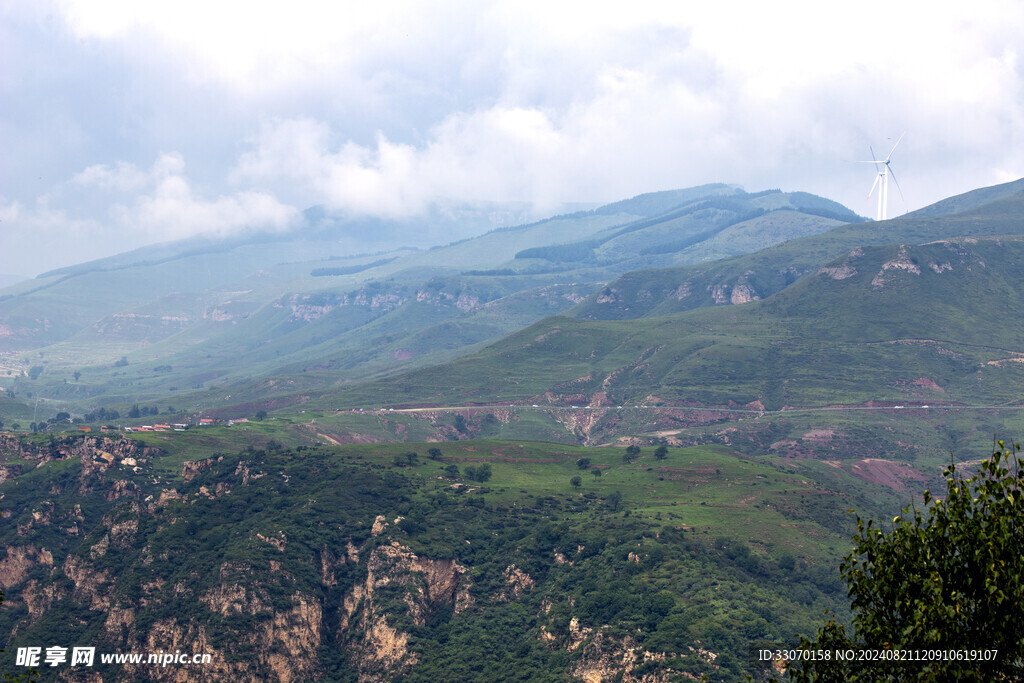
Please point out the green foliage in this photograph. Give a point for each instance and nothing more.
(561, 253)
(576, 482)
(632, 453)
(622, 568)
(480, 473)
(583, 463)
(35, 371)
(348, 270)
(950, 578)
(661, 452)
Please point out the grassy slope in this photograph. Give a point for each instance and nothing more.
(184, 322)
(823, 341)
(659, 292)
(746, 547)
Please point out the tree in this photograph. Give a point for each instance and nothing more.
(77, 374)
(632, 453)
(948, 578)
(480, 473)
(134, 411)
(35, 371)
(583, 463)
(452, 471)
(661, 452)
(434, 453)
(576, 481)
(615, 500)
(260, 414)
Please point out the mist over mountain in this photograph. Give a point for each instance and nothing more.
(223, 311)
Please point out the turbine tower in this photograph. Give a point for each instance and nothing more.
(882, 180)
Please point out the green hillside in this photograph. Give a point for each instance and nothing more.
(395, 560)
(883, 323)
(702, 229)
(993, 212)
(170, 320)
(457, 479)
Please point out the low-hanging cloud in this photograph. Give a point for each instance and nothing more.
(387, 109)
(169, 209)
(135, 207)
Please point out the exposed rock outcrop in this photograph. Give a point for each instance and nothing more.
(423, 585)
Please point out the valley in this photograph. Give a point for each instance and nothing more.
(632, 436)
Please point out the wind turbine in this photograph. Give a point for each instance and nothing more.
(882, 180)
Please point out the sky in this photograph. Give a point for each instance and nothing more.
(125, 123)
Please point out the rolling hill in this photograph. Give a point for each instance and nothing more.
(296, 546)
(881, 323)
(376, 563)
(169, 320)
(984, 213)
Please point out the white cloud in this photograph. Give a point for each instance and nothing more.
(134, 207)
(387, 107)
(37, 238)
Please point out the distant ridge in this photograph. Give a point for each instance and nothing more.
(652, 292)
(6, 280)
(317, 305)
(968, 200)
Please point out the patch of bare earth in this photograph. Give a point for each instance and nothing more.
(894, 475)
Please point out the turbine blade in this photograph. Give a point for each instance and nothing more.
(897, 183)
(894, 146)
(874, 185)
(874, 158)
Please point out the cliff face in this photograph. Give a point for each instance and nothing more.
(95, 448)
(282, 567)
(255, 618)
(399, 586)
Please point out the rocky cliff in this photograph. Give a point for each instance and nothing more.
(295, 566)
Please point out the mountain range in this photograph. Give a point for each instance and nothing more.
(619, 443)
(169, 319)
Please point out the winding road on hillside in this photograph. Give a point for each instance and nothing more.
(747, 411)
